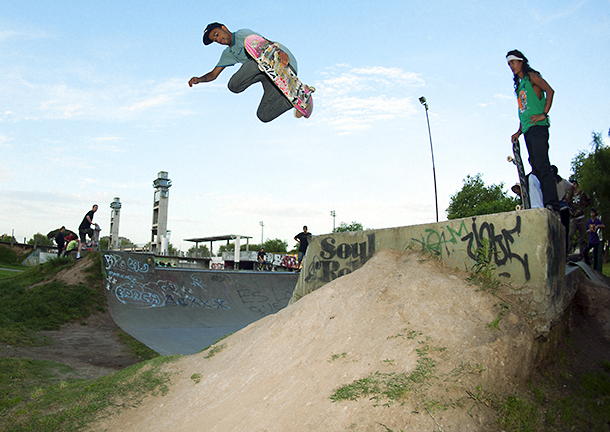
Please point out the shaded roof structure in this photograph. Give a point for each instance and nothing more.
(217, 238)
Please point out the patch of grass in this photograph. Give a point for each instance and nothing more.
(138, 348)
(518, 414)
(31, 302)
(409, 334)
(196, 377)
(6, 274)
(496, 322)
(337, 356)
(387, 429)
(35, 397)
(393, 386)
(568, 402)
(483, 272)
(7, 257)
(214, 350)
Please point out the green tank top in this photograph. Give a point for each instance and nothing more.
(529, 104)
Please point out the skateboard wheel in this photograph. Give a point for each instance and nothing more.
(311, 89)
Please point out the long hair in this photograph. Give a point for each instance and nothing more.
(526, 68)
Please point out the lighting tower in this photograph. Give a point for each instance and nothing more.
(160, 205)
(115, 216)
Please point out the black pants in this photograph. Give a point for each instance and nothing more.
(564, 215)
(595, 248)
(537, 142)
(273, 104)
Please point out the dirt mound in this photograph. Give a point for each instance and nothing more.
(417, 347)
(91, 346)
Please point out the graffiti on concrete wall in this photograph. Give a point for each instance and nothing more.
(500, 241)
(136, 283)
(133, 282)
(334, 260)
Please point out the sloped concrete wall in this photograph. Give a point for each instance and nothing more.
(527, 245)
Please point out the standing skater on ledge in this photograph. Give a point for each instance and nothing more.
(274, 103)
(534, 97)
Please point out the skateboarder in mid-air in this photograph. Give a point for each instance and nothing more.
(274, 103)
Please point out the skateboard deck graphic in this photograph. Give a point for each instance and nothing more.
(525, 195)
(267, 56)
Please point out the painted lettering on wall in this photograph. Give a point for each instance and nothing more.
(335, 260)
(501, 241)
(139, 284)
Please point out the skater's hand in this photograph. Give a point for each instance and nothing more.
(284, 59)
(536, 118)
(515, 137)
(194, 80)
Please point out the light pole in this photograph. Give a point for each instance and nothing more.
(262, 227)
(422, 100)
(333, 214)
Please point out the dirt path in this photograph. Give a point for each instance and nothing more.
(92, 348)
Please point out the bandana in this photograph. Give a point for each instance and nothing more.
(513, 57)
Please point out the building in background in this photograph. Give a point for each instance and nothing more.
(159, 240)
(115, 216)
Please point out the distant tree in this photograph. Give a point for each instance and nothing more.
(477, 199)
(344, 227)
(200, 250)
(592, 171)
(124, 242)
(226, 248)
(104, 242)
(40, 240)
(171, 250)
(7, 238)
(275, 246)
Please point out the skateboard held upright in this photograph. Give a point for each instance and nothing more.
(267, 56)
(525, 195)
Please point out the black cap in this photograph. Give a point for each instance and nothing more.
(208, 29)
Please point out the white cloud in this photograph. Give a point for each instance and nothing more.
(4, 141)
(354, 99)
(73, 97)
(504, 97)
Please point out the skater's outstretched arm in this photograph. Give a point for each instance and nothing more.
(210, 76)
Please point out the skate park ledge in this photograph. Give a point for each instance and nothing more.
(527, 249)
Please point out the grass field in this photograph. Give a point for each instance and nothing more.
(39, 396)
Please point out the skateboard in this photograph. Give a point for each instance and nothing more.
(266, 54)
(95, 240)
(525, 195)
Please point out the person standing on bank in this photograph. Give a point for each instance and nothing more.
(60, 240)
(593, 225)
(578, 201)
(534, 97)
(303, 240)
(261, 258)
(84, 229)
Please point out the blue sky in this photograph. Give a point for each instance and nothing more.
(94, 102)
